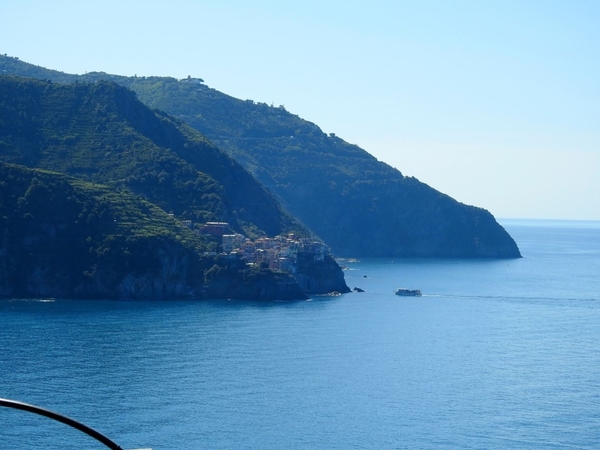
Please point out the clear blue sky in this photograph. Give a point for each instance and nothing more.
(496, 103)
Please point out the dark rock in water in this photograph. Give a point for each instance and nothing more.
(357, 289)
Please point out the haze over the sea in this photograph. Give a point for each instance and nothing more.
(494, 103)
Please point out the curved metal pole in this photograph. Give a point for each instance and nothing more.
(60, 418)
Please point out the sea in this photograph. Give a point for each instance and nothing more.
(496, 354)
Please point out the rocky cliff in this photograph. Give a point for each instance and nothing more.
(320, 276)
(235, 279)
(61, 237)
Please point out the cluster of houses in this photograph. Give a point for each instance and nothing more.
(280, 253)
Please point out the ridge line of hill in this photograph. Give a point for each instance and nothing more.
(101, 133)
(358, 205)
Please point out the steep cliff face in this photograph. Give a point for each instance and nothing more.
(51, 279)
(235, 279)
(320, 276)
(358, 205)
(60, 237)
(170, 271)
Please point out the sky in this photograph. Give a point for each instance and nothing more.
(495, 103)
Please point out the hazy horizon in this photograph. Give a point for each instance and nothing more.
(495, 104)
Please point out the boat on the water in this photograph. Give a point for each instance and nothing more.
(408, 292)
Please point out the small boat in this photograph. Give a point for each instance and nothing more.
(408, 292)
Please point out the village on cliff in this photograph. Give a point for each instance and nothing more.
(280, 253)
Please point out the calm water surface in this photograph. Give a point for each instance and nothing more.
(495, 355)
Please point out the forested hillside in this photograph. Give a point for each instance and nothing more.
(358, 205)
(63, 237)
(102, 133)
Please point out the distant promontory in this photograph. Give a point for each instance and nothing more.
(356, 204)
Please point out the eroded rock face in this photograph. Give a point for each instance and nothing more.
(63, 238)
(320, 276)
(261, 286)
(173, 277)
(156, 269)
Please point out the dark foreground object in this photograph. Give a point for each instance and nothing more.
(60, 418)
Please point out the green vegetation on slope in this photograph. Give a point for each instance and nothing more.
(102, 133)
(63, 237)
(358, 205)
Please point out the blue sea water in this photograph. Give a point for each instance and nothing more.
(496, 355)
